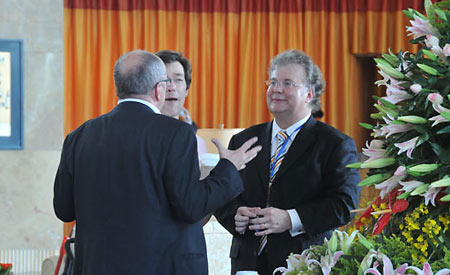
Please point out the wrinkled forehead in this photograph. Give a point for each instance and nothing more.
(294, 72)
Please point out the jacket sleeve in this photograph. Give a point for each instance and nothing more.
(340, 194)
(225, 215)
(63, 201)
(191, 199)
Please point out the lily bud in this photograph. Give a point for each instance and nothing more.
(386, 110)
(356, 165)
(404, 195)
(378, 116)
(378, 163)
(387, 68)
(424, 168)
(366, 125)
(445, 198)
(392, 59)
(415, 88)
(446, 115)
(362, 240)
(374, 179)
(333, 242)
(441, 183)
(428, 69)
(413, 119)
(429, 54)
(420, 189)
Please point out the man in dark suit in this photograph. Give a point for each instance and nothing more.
(298, 189)
(130, 179)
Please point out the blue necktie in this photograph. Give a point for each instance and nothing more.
(275, 163)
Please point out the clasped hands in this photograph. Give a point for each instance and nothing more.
(263, 221)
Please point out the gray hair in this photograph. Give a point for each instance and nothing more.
(314, 79)
(137, 73)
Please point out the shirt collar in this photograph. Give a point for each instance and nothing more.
(148, 104)
(276, 128)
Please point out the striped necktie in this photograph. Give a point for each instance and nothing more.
(275, 163)
(280, 152)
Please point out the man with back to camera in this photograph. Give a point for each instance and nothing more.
(130, 179)
(297, 190)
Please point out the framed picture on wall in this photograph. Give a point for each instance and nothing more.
(11, 94)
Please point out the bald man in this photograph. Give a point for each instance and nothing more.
(130, 180)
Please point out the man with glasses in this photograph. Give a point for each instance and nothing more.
(130, 180)
(179, 70)
(297, 190)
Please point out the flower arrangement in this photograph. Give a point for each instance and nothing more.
(5, 269)
(405, 230)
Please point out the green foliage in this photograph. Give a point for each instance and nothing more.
(409, 158)
(443, 262)
(397, 250)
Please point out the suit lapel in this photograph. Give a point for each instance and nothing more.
(264, 156)
(304, 139)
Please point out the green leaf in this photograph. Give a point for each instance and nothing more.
(420, 15)
(366, 125)
(428, 69)
(441, 14)
(444, 130)
(388, 104)
(428, 8)
(442, 153)
(408, 13)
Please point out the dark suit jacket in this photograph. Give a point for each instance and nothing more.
(312, 179)
(130, 178)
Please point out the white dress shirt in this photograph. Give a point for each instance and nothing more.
(297, 226)
(148, 104)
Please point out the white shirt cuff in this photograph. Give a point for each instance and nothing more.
(297, 226)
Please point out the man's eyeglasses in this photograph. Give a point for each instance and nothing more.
(285, 84)
(168, 81)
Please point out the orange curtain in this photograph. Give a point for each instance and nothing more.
(230, 44)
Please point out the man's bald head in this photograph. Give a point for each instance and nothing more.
(137, 73)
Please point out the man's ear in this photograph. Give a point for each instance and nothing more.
(309, 95)
(160, 92)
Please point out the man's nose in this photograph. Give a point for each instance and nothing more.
(277, 87)
(171, 86)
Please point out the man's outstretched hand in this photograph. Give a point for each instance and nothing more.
(241, 156)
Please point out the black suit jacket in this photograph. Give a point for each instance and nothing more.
(312, 179)
(130, 178)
